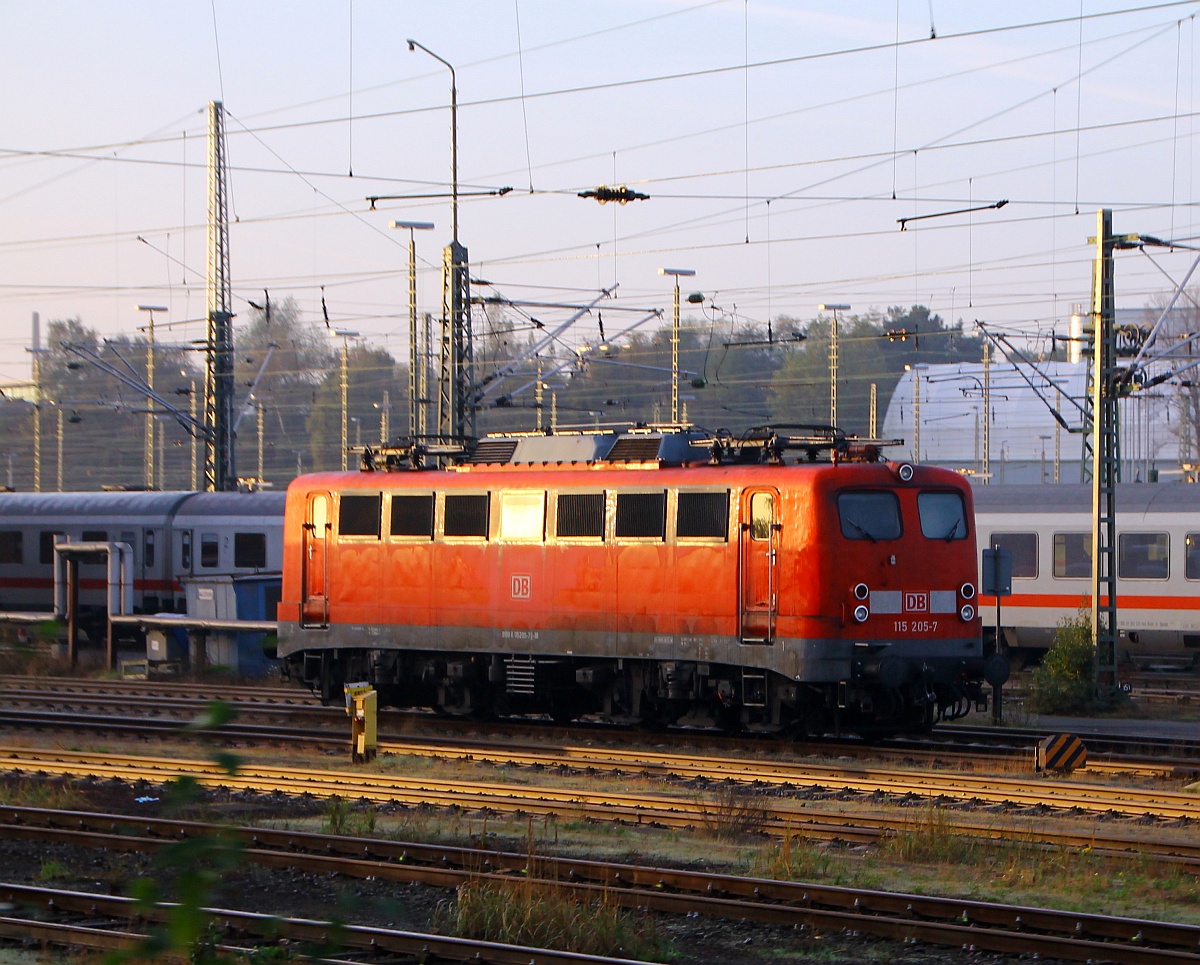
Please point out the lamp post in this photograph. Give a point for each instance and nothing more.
(916, 372)
(345, 385)
(414, 358)
(1042, 473)
(148, 451)
(456, 407)
(833, 357)
(675, 273)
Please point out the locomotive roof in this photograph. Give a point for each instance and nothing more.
(130, 504)
(1131, 499)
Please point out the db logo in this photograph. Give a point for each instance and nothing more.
(916, 602)
(522, 586)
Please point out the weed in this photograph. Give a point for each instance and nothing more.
(52, 870)
(342, 818)
(793, 859)
(546, 915)
(732, 812)
(932, 837)
(39, 794)
(1065, 680)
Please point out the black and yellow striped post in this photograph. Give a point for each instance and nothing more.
(1061, 752)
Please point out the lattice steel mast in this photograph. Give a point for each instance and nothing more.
(219, 470)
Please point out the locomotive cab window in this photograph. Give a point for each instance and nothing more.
(642, 515)
(523, 516)
(580, 516)
(358, 515)
(1143, 556)
(10, 546)
(943, 516)
(1024, 550)
(1191, 556)
(703, 515)
(1072, 555)
(412, 515)
(466, 516)
(869, 514)
(250, 550)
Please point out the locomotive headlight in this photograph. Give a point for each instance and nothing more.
(967, 613)
(861, 613)
(967, 591)
(905, 473)
(861, 592)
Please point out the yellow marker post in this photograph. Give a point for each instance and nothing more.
(362, 705)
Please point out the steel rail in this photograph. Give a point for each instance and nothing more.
(258, 930)
(996, 927)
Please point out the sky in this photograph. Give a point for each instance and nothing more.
(779, 143)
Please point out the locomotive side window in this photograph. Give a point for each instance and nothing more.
(1143, 556)
(210, 549)
(10, 546)
(466, 516)
(1191, 556)
(46, 546)
(642, 515)
(1072, 554)
(523, 516)
(359, 515)
(942, 516)
(250, 550)
(581, 515)
(412, 516)
(870, 515)
(703, 515)
(1024, 550)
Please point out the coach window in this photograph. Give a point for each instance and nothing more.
(94, 536)
(250, 550)
(185, 550)
(1024, 550)
(466, 516)
(148, 547)
(1072, 555)
(580, 516)
(46, 546)
(1143, 556)
(210, 550)
(1191, 556)
(412, 515)
(703, 515)
(10, 546)
(359, 515)
(642, 515)
(869, 515)
(942, 516)
(523, 516)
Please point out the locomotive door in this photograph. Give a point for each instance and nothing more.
(759, 544)
(314, 606)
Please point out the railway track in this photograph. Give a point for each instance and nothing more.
(775, 813)
(74, 919)
(944, 921)
(997, 745)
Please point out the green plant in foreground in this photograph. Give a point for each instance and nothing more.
(53, 870)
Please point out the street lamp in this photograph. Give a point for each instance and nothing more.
(675, 273)
(148, 451)
(413, 45)
(456, 408)
(414, 359)
(833, 357)
(345, 380)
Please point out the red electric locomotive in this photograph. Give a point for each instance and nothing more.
(645, 575)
